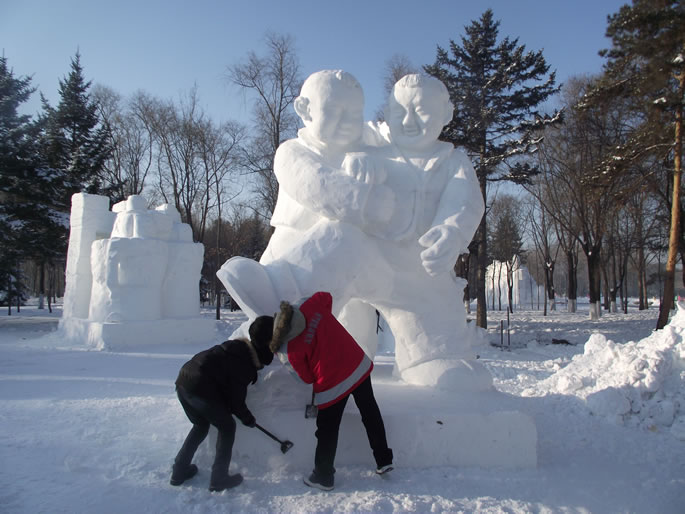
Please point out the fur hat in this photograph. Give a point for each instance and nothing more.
(288, 324)
(261, 331)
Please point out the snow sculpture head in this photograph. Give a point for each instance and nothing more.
(331, 106)
(418, 108)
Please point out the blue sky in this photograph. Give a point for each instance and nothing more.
(164, 47)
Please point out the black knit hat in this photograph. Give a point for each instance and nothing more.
(261, 332)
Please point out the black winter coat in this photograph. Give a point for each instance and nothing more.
(222, 374)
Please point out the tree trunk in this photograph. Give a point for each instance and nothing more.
(217, 282)
(669, 285)
(641, 279)
(499, 287)
(510, 288)
(481, 307)
(492, 279)
(549, 283)
(461, 269)
(9, 294)
(572, 285)
(41, 285)
(605, 286)
(594, 268)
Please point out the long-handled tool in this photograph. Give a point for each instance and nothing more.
(285, 445)
(311, 410)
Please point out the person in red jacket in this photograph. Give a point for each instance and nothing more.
(317, 347)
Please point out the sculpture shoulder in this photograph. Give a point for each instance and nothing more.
(291, 147)
(460, 162)
(458, 155)
(294, 154)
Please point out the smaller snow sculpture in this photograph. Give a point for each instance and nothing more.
(526, 293)
(132, 275)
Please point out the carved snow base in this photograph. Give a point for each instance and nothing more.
(426, 427)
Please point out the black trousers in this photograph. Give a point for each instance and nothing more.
(328, 426)
(202, 413)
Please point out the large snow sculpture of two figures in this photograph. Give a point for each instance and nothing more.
(376, 216)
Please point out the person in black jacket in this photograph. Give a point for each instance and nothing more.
(212, 387)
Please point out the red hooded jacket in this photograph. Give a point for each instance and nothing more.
(325, 354)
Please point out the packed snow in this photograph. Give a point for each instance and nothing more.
(96, 431)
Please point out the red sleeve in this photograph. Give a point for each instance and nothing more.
(299, 360)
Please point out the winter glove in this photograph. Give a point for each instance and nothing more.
(249, 421)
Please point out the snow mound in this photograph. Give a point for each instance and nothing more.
(637, 383)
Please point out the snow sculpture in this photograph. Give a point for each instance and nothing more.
(526, 293)
(379, 227)
(132, 275)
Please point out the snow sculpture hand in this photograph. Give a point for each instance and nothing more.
(364, 169)
(443, 244)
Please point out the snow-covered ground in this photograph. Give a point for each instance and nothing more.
(93, 431)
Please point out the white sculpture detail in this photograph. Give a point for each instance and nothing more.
(132, 275)
(377, 216)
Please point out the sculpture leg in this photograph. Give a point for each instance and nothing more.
(249, 284)
(360, 319)
(433, 342)
(331, 256)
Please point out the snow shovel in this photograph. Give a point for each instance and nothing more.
(311, 410)
(285, 445)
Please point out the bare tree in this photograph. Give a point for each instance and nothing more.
(395, 68)
(578, 201)
(180, 177)
(542, 233)
(218, 149)
(505, 240)
(127, 168)
(273, 80)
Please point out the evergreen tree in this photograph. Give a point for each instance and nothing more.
(646, 64)
(29, 228)
(15, 153)
(75, 143)
(496, 88)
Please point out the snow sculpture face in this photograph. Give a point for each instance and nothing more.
(418, 109)
(331, 105)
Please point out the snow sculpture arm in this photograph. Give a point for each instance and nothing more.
(380, 202)
(363, 168)
(322, 188)
(458, 215)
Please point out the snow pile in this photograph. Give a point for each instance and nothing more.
(637, 383)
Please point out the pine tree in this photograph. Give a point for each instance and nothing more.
(646, 64)
(29, 229)
(76, 144)
(496, 88)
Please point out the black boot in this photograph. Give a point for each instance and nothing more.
(225, 482)
(181, 474)
(183, 469)
(220, 479)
